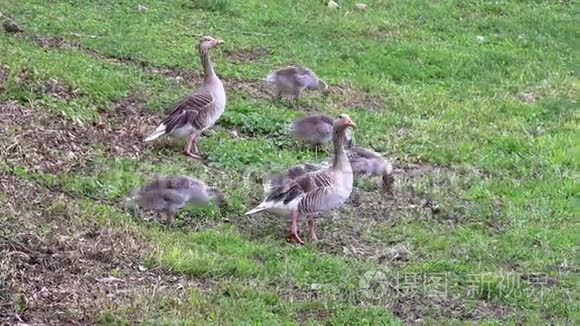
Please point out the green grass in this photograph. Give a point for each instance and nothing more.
(449, 75)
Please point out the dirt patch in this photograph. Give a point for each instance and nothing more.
(51, 88)
(40, 141)
(528, 97)
(126, 124)
(55, 89)
(48, 42)
(183, 76)
(57, 271)
(246, 55)
(317, 315)
(540, 280)
(380, 33)
(411, 309)
(352, 98)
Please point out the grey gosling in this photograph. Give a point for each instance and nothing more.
(368, 163)
(293, 80)
(168, 194)
(315, 130)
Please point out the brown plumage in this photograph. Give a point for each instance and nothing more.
(199, 110)
(303, 193)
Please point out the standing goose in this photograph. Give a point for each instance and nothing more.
(294, 80)
(314, 192)
(199, 110)
(169, 194)
(315, 130)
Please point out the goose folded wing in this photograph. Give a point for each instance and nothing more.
(315, 179)
(319, 200)
(189, 111)
(286, 192)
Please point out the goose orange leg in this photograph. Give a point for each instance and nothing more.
(312, 230)
(293, 237)
(192, 143)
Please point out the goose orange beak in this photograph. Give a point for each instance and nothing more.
(349, 123)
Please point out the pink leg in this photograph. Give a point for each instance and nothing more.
(311, 230)
(192, 143)
(293, 237)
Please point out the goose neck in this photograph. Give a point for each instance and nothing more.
(208, 72)
(340, 160)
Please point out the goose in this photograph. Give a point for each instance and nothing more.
(367, 163)
(294, 80)
(313, 192)
(199, 110)
(169, 194)
(316, 130)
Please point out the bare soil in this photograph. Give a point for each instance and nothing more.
(58, 269)
(410, 309)
(40, 141)
(380, 33)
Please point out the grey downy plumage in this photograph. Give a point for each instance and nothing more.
(315, 130)
(293, 80)
(368, 163)
(170, 193)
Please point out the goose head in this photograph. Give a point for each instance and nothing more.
(217, 197)
(323, 86)
(343, 122)
(208, 42)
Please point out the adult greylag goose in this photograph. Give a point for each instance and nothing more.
(169, 194)
(315, 130)
(368, 163)
(294, 80)
(199, 110)
(313, 192)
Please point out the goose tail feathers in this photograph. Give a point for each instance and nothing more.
(157, 133)
(257, 209)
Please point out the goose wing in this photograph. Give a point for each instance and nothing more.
(320, 199)
(304, 184)
(192, 109)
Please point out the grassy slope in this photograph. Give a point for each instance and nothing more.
(449, 75)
